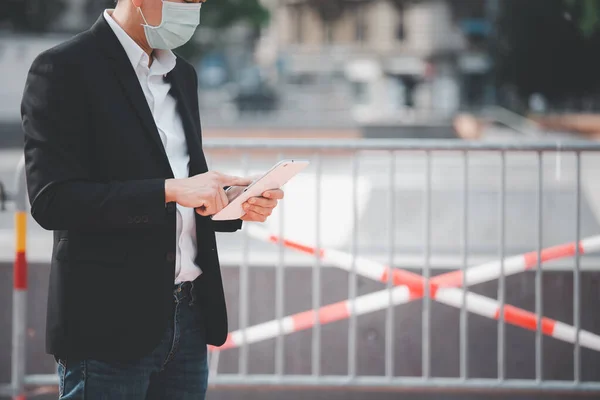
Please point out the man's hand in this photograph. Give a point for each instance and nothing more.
(203, 192)
(258, 209)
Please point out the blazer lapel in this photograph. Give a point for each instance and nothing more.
(127, 78)
(197, 162)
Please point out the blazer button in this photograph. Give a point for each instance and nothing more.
(170, 257)
(138, 219)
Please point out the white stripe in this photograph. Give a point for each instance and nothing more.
(475, 303)
(492, 270)
(486, 307)
(567, 333)
(379, 300)
(263, 331)
(362, 305)
(591, 244)
(367, 268)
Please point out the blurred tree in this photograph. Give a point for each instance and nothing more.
(30, 15)
(587, 14)
(549, 47)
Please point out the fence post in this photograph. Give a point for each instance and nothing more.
(19, 285)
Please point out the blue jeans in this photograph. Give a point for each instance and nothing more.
(176, 370)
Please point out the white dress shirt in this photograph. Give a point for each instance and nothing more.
(164, 110)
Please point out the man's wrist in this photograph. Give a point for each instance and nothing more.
(170, 190)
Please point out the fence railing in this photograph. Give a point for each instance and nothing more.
(351, 315)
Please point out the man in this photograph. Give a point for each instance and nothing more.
(115, 168)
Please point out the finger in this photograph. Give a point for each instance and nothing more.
(218, 202)
(262, 202)
(252, 216)
(233, 193)
(204, 210)
(255, 177)
(229, 180)
(223, 196)
(258, 210)
(208, 207)
(276, 194)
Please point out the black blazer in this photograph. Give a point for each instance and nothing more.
(95, 170)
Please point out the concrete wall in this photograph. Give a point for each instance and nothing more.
(520, 344)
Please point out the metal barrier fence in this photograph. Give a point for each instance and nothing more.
(389, 167)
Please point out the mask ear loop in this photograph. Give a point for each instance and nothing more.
(139, 8)
(142, 14)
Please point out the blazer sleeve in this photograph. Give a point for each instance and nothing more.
(56, 147)
(218, 226)
(227, 226)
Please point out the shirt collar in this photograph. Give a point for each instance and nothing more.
(164, 60)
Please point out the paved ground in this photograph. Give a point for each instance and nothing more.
(271, 394)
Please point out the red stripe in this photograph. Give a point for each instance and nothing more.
(455, 279)
(526, 319)
(551, 253)
(415, 282)
(450, 279)
(296, 246)
(331, 313)
(20, 271)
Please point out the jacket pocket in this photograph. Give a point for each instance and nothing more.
(102, 251)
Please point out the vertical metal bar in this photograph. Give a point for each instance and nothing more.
(316, 273)
(20, 286)
(244, 290)
(538, 271)
(465, 258)
(577, 274)
(352, 278)
(501, 280)
(389, 318)
(279, 290)
(425, 345)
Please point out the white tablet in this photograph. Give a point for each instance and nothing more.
(274, 178)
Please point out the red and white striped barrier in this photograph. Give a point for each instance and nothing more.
(513, 265)
(410, 286)
(380, 300)
(326, 314)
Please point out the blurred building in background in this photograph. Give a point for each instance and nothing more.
(383, 59)
(332, 63)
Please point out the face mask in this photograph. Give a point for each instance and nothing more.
(179, 22)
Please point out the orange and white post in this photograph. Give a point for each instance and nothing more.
(19, 289)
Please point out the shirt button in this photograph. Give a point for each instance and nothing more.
(170, 257)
